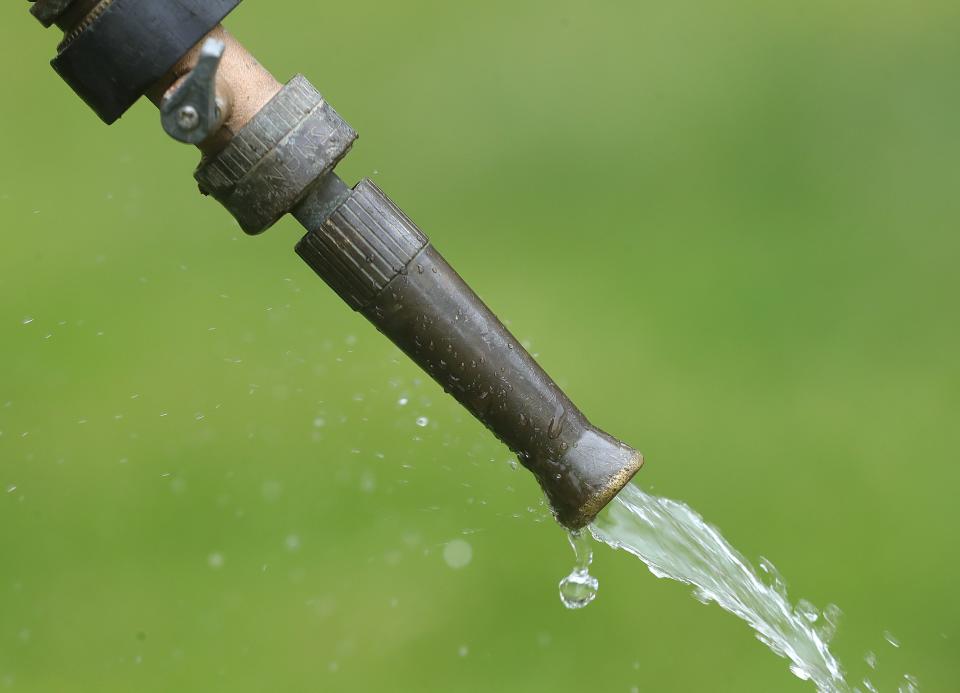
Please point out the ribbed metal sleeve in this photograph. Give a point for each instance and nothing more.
(220, 174)
(269, 166)
(361, 246)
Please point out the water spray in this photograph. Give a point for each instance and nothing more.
(269, 150)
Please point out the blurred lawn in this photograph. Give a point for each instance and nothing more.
(207, 482)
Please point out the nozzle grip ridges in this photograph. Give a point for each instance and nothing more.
(362, 245)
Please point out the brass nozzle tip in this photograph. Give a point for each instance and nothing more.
(599, 500)
(588, 476)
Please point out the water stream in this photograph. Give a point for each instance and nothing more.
(674, 542)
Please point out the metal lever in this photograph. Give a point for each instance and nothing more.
(192, 113)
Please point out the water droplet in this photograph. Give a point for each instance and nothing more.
(555, 427)
(910, 684)
(891, 638)
(827, 628)
(403, 401)
(368, 482)
(319, 422)
(871, 659)
(11, 488)
(292, 543)
(513, 464)
(271, 491)
(27, 321)
(579, 588)
(457, 554)
(703, 596)
(808, 611)
(215, 561)
(422, 421)
(463, 651)
(771, 576)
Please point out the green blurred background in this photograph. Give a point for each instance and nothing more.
(208, 482)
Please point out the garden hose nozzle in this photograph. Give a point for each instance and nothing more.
(269, 150)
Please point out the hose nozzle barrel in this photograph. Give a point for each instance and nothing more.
(382, 265)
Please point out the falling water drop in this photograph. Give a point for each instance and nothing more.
(423, 421)
(579, 588)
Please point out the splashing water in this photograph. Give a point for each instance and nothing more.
(674, 542)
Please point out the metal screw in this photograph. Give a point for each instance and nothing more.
(187, 118)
